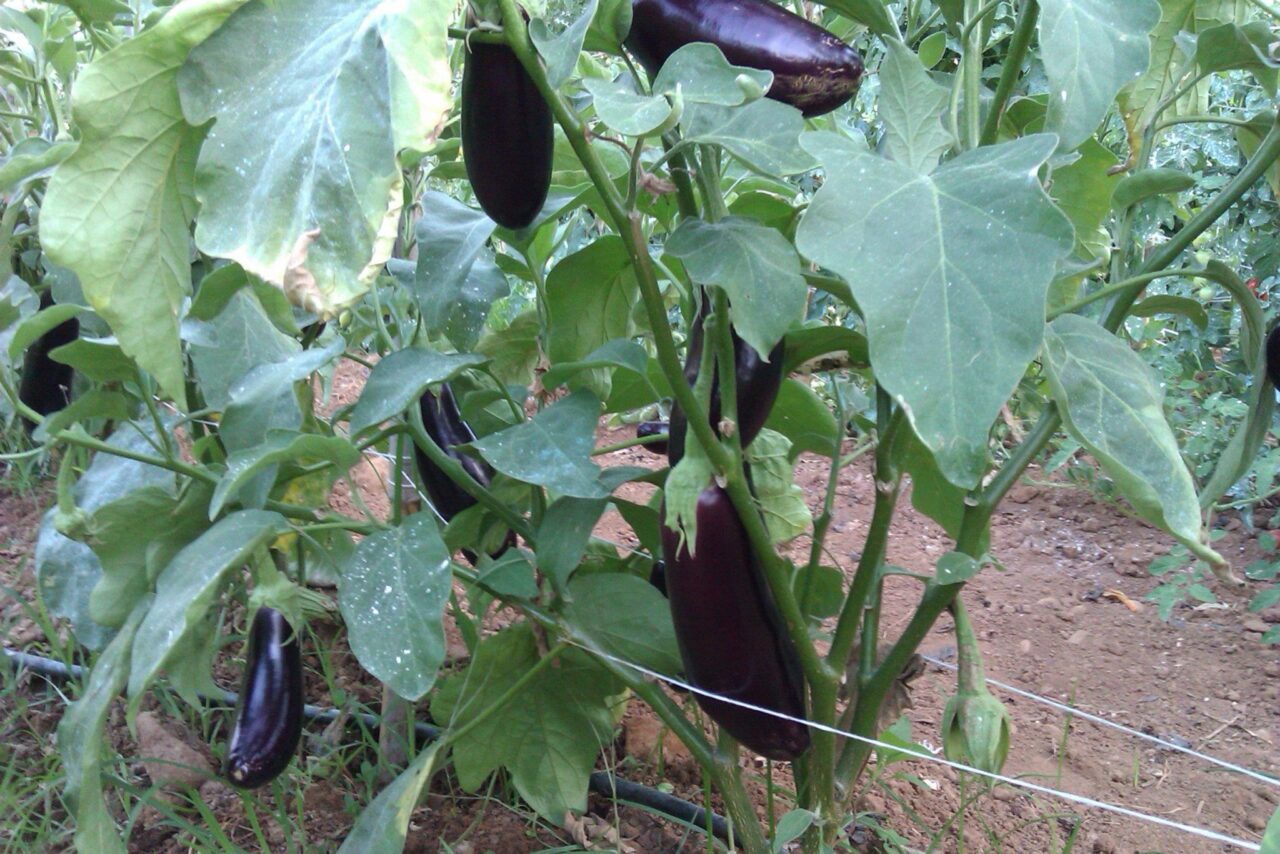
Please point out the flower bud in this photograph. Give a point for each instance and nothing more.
(975, 731)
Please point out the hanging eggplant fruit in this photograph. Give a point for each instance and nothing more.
(45, 385)
(758, 383)
(507, 135)
(732, 639)
(269, 712)
(813, 70)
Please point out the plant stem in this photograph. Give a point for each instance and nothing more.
(1012, 69)
(971, 69)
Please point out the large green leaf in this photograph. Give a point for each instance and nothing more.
(804, 419)
(563, 535)
(244, 338)
(627, 617)
(400, 379)
(755, 265)
(781, 500)
(281, 446)
(456, 281)
(874, 14)
(393, 598)
(1229, 46)
(547, 736)
(560, 50)
(336, 89)
(188, 587)
(1112, 404)
(763, 134)
(384, 824)
(119, 209)
(30, 158)
(80, 740)
(1091, 48)
(950, 271)
(912, 105)
(1139, 99)
(553, 449)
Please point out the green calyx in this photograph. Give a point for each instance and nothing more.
(975, 731)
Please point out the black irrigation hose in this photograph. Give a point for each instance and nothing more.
(602, 782)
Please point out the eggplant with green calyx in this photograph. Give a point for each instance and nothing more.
(1273, 356)
(507, 135)
(813, 70)
(269, 711)
(732, 639)
(758, 383)
(45, 385)
(645, 429)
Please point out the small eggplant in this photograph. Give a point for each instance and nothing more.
(658, 576)
(443, 420)
(507, 136)
(646, 429)
(269, 713)
(812, 69)
(758, 383)
(1273, 356)
(45, 385)
(731, 636)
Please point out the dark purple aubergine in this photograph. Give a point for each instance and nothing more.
(813, 70)
(443, 420)
(658, 576)
(507, 136)
(45, 385)
(731, 636)
(645, 429)
(1273, 356)
(269, 712)
(758, 385)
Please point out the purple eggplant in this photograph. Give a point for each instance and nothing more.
(658, 576)
(758, 383)
(45, 385)
(813, 70)
(731, 637)
(269, 713)
(646, 429)
(443, 420)
(507, 135)
(1273, 356)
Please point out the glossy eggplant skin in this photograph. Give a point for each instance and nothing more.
(731, 636)
(45, 385)
(758, 383)
(658, 576)
(653, 428)
(269, 713)
(507, 136)
(813, 70)
(1273, 356)
(443, 420)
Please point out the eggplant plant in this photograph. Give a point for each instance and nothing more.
(628, 206)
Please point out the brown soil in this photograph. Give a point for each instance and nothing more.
(1201, 679)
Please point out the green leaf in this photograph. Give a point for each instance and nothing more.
(400, 379)
(393, 598)
(701, 74)
(1271, 836)
(31, 158)
(1112, 404)
(826, 590)
(620, 107)
(1247, 47)
(955, 567)
(280, 446)
(245, 338)
(189, 585)
(912, 106)
(510, 575)
(119, 209)
(456, 281)
(610, 27)
(80, 740)
(804, 419)
(97, 11)
(1084, 190)
(547, 736)
(553, 449)
(134, 538)
(795, 822)
(560, 50)
(763, 134)
(626, 355)
(874, 14)
(1250, 137)
(592, 298)
(814, 341)
(100, 362)
(953, 323)
(563, 535)
(337, 90)
(1148, 183)
(30, 330)
(626, 617)
(1139, 100)
(756, 267)
(1169, 304)
(932, 49)
(383, 825)
(781, 501)
(1091, 49)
